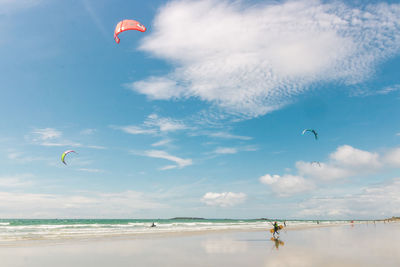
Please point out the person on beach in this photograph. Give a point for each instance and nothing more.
(276, 228)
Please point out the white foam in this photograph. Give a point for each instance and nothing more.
(49, 231)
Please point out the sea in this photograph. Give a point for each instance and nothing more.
(51, 229)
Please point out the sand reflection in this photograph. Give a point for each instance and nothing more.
(224, 246)
(353, 245)
(277, 242)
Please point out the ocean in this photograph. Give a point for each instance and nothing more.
(50, 229)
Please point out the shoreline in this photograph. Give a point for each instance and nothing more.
(169, 234)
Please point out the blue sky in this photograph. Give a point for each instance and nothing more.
(202, 114)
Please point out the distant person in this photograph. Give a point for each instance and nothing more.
(284, 223)
(153, 225)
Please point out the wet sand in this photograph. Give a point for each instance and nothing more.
(357, 245)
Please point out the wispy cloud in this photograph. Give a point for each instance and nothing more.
(180, 162)
(125, 204)
(384, 91)
(389, 89)
(233, 150)
(226, 150)
(252, 59)
(88, 131)
(135, 130)
(95, 18)
(7, 6)
(63, 144)
(165, 124)
(16, 181)
(162, 142)
(52, 137)
(227, 135)
(225, 199)
(46, 134)
(23, 157)
(154, 125)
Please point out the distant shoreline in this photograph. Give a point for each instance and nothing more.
(78, 231)
(394, 218)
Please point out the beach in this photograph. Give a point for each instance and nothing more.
(358, 244)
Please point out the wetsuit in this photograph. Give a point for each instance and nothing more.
(276, 228)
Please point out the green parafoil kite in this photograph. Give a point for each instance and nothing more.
(65, 154)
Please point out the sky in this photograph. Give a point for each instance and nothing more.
(201, 115)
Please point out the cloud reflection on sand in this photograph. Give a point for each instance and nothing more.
(354, 245)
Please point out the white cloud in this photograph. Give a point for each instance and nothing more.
(389, 89)
(180, 162)
(384, 91)
(393, 157)
(376, 201)
(226, 135)
(165, 124)
(88, 131)
(136, 130)
(64, 144)
(226, 150)
(160, 88)
(232, 150)
(125, 204)
(251, 59)
(287, 185)
(16, 181)
(350, 156)
(322, 171)
(345, 162)
(162, 142)
(225, 199)
(46, 134)
(23, 157)
(51, 137)
(154, 125)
